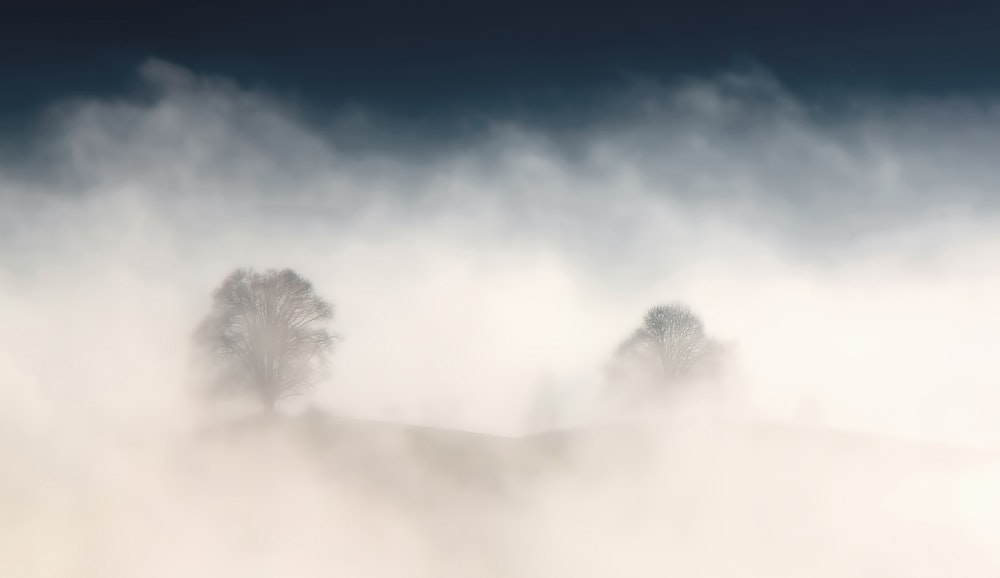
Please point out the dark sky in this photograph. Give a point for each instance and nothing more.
(414, 57)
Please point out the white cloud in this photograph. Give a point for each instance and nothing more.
(847, 250)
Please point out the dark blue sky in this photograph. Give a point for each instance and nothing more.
(422, 57)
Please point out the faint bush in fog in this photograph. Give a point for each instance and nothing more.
(543, 409)
(266, 334)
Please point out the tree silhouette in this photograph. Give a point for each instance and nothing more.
(267, 333)
(669, 346)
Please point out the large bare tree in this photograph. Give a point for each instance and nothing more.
(267, 333)
(669, 346)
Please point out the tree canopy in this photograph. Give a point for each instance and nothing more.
(267, 333)
(669, 346)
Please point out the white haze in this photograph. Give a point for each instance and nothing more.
(847, 255)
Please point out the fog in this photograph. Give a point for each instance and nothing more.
(842, 249)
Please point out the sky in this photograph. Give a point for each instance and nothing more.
(433, 57)
(784, 169)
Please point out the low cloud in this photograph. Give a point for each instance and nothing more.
(844, 247)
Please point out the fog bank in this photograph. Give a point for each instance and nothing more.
(843, 249)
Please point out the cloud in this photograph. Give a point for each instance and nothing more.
(845, 246)
(725, 191)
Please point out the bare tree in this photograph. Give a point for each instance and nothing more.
(669, 346)
(267, 333)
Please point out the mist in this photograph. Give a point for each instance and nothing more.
(843, 249)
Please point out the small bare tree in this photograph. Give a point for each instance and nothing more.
(267, 333)
(669, 346)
